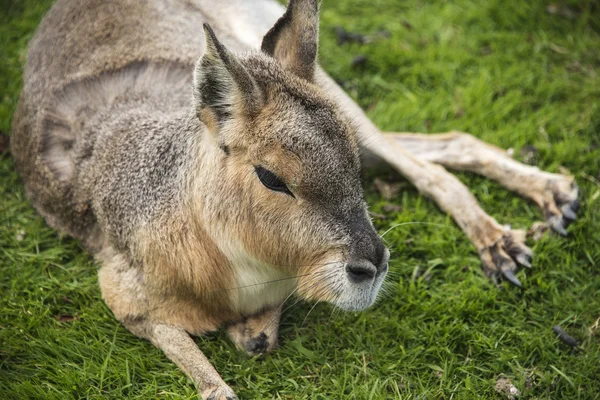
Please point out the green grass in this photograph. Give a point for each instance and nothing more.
(504, 70)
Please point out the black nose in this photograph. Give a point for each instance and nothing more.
(360, 271)
(366, 243)
(381, 254)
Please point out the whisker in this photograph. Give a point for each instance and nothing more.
(260, 283)
(280, 279)
(412, 223)
(310, 283)
(308, 313)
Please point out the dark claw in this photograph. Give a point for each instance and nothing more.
(258, 345)
(524, 260)
(556, 224)
(568, 212)
(510, 276)
(575, 205)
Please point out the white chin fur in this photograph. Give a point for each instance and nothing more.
(358, 296)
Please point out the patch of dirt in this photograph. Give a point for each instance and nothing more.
(505, 386)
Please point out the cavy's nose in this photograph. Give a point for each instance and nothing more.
(360, 271)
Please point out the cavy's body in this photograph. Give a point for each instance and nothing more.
(207, 201)
(212, 187)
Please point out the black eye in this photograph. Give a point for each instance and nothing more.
(272, 181)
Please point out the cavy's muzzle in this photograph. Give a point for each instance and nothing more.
(363, 279)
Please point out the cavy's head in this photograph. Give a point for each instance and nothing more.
(287, 193)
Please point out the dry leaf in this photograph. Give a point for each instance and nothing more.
(387, 190)
(391, 208)
(594, 327)
(66, 318)
(557, 49)
(529, 154)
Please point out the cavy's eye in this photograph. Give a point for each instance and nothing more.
(272, 181)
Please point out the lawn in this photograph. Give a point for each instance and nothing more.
(519, 74)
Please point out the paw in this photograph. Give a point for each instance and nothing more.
(254, 344)
(257, 345)
(252, 337)
(560, 202)
(219, 393)
(503, 257)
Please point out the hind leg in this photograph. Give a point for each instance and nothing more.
(500, 248)
(555, 194)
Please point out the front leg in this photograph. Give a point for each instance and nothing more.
(179, 347)
(256, 335)
(124, 292)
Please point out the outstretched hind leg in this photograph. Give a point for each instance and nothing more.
(500, 248)
(557, 195)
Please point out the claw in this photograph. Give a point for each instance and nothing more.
(568, 212)
(510, 276)
(556, 224)
(524, 260)
(560, 229)
(575, 204)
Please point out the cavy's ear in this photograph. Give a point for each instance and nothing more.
(222, 86)
(294, 39)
